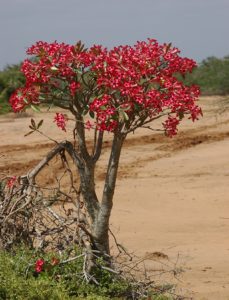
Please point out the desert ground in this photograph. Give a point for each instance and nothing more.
(171, 204)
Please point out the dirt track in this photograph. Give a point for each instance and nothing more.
(171, 197)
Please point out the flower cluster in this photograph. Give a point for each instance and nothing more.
(60, 120)
(24, 97)
(138, 82)
(171, 126)
(144, 78)
(88, 125)
(73, 87)
(41, 264)
(105, 111)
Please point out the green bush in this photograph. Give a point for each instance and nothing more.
(20, 281)
(212, 75)
(11, 78)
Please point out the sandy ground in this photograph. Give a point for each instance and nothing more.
(171, 197)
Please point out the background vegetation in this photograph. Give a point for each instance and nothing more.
(11, 78)
(212, 75)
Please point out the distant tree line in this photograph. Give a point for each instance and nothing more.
(212, 75)
(11, 78)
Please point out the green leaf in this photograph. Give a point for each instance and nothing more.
(54, 68)
(85, 111)
(91, 114)
(126, 108)
(41, 97)
(35, 108)
(103, 107)
(126, 117)
(137, 106)
(79, 71)
(123, 116)
(30, 132)
(92, 99)
(40, 123)
(168, 47)
(181, 115)
(33, 123)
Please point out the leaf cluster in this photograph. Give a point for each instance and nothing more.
(34, 127)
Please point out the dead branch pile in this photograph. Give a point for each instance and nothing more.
(49, 218)
(43, 220)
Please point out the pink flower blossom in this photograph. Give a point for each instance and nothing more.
(88, 125)
(39, 265)
(170, 126)
(74, 86)
(138, 81)
(11, 181)
(60, 121)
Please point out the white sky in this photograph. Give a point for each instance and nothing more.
(200, 28)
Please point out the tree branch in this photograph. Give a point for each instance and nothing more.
(61, 146)
(139, 123)
(80, 131)
(98, 146)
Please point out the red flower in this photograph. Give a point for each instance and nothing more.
(60, 120)
(73, 87)
(11, 181)
(39, 265)
(123, 87)
(170, 126)
(88, 125)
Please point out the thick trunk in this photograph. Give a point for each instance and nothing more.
(99, 212)
(88, 191)
(86, 171)
(100, 228)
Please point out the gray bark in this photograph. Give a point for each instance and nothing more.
(100, 228)
(99, 212)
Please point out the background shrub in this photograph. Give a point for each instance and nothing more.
(212, 75)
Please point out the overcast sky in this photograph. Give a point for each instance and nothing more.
(200, 28)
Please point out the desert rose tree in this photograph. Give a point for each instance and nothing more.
(117, 91)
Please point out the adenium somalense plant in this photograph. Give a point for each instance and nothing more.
(118, 91)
